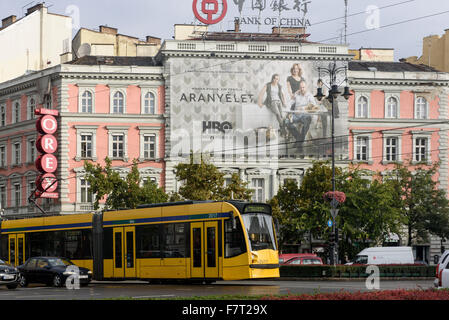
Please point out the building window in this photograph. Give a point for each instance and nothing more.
(31, 151)
(118, 145)
(361, 147)
(3, 203)
(392, 108)
(3, 162)
(85, 137)
(17, 195)
(16, 113)
(421, 149)
(421, 108)
(258, 186)
(362, 107)
(85, 193)
(118, 103)
(31, 108)
(149, 103)
(149, 146)
(391, 149)
(3, 115)
(47, 101)
(87, 102)
(86, 145)
(16, 153)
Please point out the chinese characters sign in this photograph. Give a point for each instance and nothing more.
(214, 11)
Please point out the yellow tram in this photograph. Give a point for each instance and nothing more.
(229, 240)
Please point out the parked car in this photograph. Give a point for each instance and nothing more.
(442, 271)
(384, 255)
(304, 261)
(51, 271)
(9, 275)
(299, 258)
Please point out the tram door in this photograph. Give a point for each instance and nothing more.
(204, 249)
(124, 252)
(16, 249)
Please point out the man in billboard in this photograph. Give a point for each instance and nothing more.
(274, 100)
(304, 102)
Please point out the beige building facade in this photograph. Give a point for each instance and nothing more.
(108, 42)
(435, 52)
(35, 42)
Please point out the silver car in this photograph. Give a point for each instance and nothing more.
(442, 267)
(9, 276)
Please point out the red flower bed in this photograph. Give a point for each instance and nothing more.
(400, 294)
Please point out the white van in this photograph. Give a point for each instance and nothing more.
(385, 255)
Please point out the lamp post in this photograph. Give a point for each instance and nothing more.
(333, 71)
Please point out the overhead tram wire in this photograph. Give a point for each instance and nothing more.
(361, 12)
(285, 143)
(389, 25)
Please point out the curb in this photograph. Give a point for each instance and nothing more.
(354, 279)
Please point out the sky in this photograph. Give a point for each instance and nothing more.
(371, 23)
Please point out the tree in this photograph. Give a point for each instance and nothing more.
(424, 206)
(369, 214)
(203, 181)
(286, 208)
(121, 193)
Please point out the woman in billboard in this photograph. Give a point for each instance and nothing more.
(294, 80)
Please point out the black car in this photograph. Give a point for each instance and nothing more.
(51, 271)
(9, 276)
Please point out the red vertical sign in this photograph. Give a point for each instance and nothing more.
(47, 144)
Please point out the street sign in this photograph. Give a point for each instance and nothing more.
(334, 212)
(329, 223)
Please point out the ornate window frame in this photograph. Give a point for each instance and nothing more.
(392, 134)
(424, 135)
(397, 97)
(86, 130)
(81, 90)
(358, 134)
(113, 90)
(144, 91)
(118, 130)
(358, 96)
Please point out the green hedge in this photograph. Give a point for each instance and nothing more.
(325, 271)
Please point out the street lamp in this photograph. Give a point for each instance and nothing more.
(333, 71)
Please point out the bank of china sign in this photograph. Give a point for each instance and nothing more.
(284, 13)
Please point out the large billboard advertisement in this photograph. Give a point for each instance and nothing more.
(253, 108)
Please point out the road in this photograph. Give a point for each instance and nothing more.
(142, 290)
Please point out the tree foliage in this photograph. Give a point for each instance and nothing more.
(204, 181)
(106, 184)
(424, 205)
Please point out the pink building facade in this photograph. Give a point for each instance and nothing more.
(399, 113)
(106, 110)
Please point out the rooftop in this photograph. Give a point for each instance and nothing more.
(389, 67)
(114, 61)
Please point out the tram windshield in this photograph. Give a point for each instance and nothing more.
(259, 227)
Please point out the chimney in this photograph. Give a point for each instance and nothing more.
(236, 25)
(154, 40)
(109, 30)
(8, 21)
(34, 8)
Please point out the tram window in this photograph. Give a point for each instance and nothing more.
(234, 240)
(174, 240)
(107, 243)
(148, 241)
(4, 247)
(38, 243)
